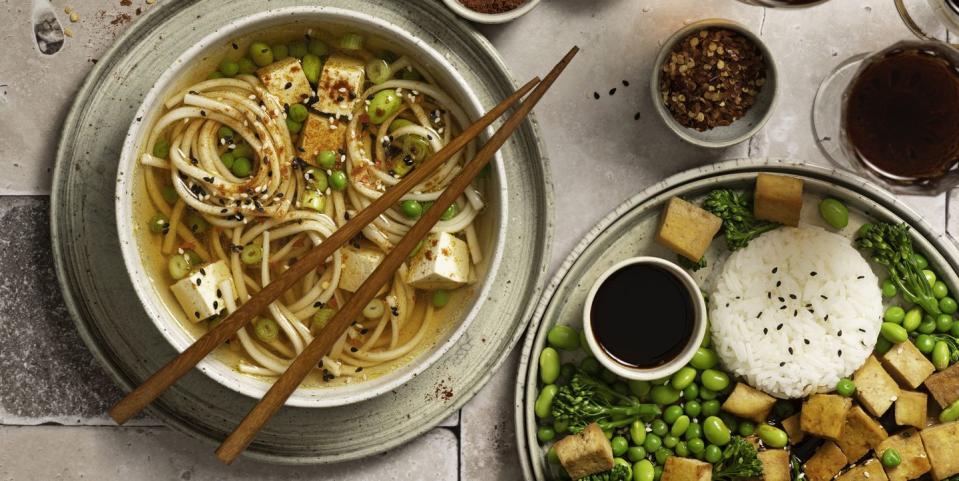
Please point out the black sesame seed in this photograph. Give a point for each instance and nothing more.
(782, 364)
(795, 312)
(612, 91)
(759, 315)
(318, 304)
(862, 330)
(364, 330)
(359, 369)
(596, 95)
(806, 341)
(840, 353)
(779, 327)
(769, 295)
(625, 83)
(824, 297)
(826, 318)
(782, 308)
(813, 273)
(861, 277)
(637, 116)
(198, 282)
(790, 351)
(196, 314)
(353, 349)
(727, 304)
(765, 330)
(775, 270)
(839, 333)
(779, 283)
(215, 305)
(792, 296)
(219, 293)
(782, 299)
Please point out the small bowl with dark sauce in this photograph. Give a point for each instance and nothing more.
(644, 318)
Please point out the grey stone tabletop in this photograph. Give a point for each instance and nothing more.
(53, 395)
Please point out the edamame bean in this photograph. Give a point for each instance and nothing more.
(546, 434)
(637, 433)
(265, 329)
(313, 199)
(711, 407)
(159, 223)
(551, 456)
(242, 167)
(169, 194)
(662, 454)
(293, 126)
(772, 436)
(280, 51)
(951, 413)
(834, 213)
(326, 159)
(338, 180)
(229, 67)
(590, 365)
(543, 406)
(384, 104)
(548, 365)
(693, 408)
(411, 208)
(714, 380)
(889, 289)
(925, 343)
(620, 445)
(955, 329)
(713, 454)
(635, 453)
(694, 431)
(672, 413)
(680, 426)
(242, 149)
(297, 48)
(928, 325)
(696, 446)
(681, 449)
(882, 345)
(563, 337)
(940, 355)
(664, 395)
(683, 378)
(948, 305)
(312, 65)
(643, 470)
(178, 266)
(912, 319)
(746, 428)
(944, 322)
(845, 387)
(930, 277)
(891, 458)
(657, 473)
(691, 393)
(639, 389)
(161, 148)
(623, 462)
(707, 394)
(561, 427)
(716, 431)
(652, 442)
(450, 212)
(704, 359)
(659, 427)
(921, 261)
(894, 314)
(894, 333)
(261, 54)
(246, 66)
(940, 290)
(298, 112)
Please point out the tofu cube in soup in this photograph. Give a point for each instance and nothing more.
(914, 463)
(876, 390)
(442, 263)
(792, 426)
(686, 229)
(823, 414)
(871, 470)
(319, 133)
(778, 198)
(358, 264)
(585, 453)
(340, 85)
(907, 365)
(285, 79)
(860, 434)
(942, 447)
(826, 463)
(775, 465)
(200, 294)
(686, 469)
(911, 409)
(749, 403)
(944, 386)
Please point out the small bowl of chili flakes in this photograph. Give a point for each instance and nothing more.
(714, 83)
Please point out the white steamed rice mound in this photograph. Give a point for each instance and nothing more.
(795, 311)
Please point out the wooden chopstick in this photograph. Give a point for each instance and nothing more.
(284, 386)
(161, 380)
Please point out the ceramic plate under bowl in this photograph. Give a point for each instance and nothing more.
(113, 323)
(630, 231)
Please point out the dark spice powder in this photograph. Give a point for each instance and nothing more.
(491, 6)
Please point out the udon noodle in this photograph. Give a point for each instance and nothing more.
(250, 168)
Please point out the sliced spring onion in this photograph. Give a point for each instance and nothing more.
(351, 41)
(378, 71)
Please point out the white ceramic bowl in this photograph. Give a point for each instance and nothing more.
(491, 18)
(658, 372)
(154, 293)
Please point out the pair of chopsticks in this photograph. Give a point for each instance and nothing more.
(284, 386)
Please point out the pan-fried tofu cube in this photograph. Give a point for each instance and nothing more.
(911, 409)
(822, 414)
(942, 447)
(778, 198)
(749, 403)
(686, 229)
(319, 133)
(915, 462)
(341, 83)
(944, 386)
(358, 264)
(200, 294)
(871, 470)
(876, 390)
(686, 469)
(793, 428)
(286, 80)
(907, 365)
(826, 463)
(860, 434)
(442, 263)
(775, 465)
(586, 453)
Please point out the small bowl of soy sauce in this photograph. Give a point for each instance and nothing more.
(644, 318)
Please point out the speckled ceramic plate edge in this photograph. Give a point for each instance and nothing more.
(67, 278)
(947, 252)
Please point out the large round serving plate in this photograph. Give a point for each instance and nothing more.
(630, 231)
(112, 322)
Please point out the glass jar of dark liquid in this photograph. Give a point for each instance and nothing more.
(900, 115)
(931, 19)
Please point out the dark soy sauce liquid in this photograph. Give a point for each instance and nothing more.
(902, 115)
(642, 316)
